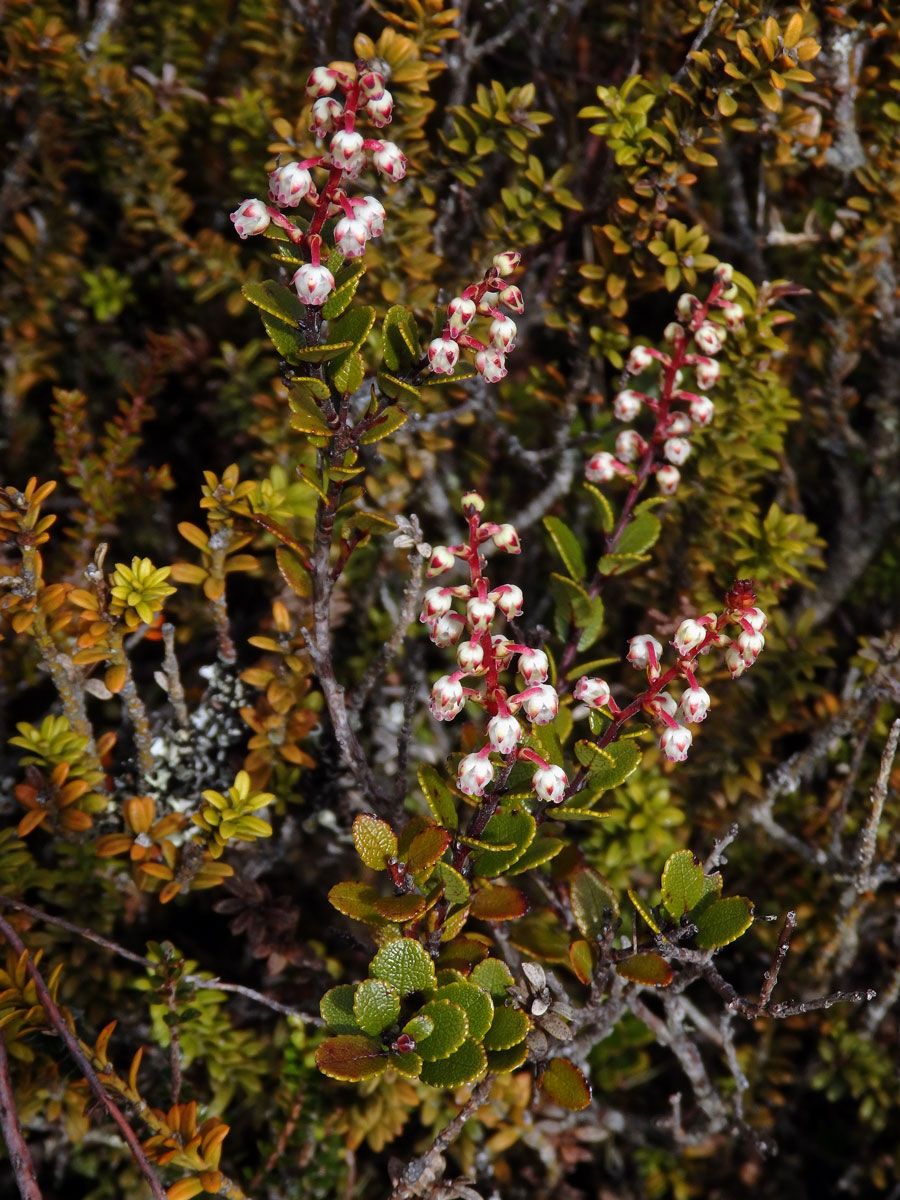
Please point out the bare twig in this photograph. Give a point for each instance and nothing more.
(56, 1019)
(868, 838)
(16, 1146)
(430, 1165)
(771, 976)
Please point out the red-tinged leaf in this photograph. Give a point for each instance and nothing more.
(427, 847)
(649, 968)
(400, 908)
(292, 571)
(357, 900)
(350, 1057)
(564, 1084)
(500, 903)
(463, 953)
(582, 960)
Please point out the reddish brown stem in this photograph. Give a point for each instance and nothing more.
(16, 1146)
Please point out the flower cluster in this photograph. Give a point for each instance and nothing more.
(668, 446)
(481, 655)
(485, 298)
(349, 152)
(693, 638)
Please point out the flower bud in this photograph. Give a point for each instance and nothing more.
(460, 311)
(470, 656)
(755, 618)
(678, 425)
(734, 316)
(707, 373)
(505, 538)
(475, 773)
(502, 648)
(723, 273)
(639, 360)
(627, 404)
(503, 334)
(592, 692)
(289, 184)
(668, 479)
(447, 630)
(508, 599)
(371, 85)
(534, 666)
(473, 501)
(630, 446)
(707, 338)
(750, 645)
(507, 262)
(371, 212)
(550, 784)
(379, 111)
(676, 450)
(443, 355)
(686, 306)
(327, 114)
(504, 733)
(734, 660)
(447, 698)
(673, 331)
(479, 614)
(540, 704)
(688, 636)
(314, 284)
(601, 467)
(511, 298)
(644, 651)
(491, 364)
(347, 149)
(321, 82)
(702, 410)
(661, 703)
(435, 603)
(350, 237)
(250, 218)
(441, 560)
(389, 161)
(694, 704)
(675, 743)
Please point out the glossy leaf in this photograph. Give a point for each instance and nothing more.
(514, 826)
(565, 1085)
(648, 968)
(594, 903)
(508, 1027)
(440, 798)
(350, 1057)
(723, 921)
(456, 889)
(499, 903)
(357, 900)
(464, 1066)
(567, 547)
(681, 884)
(346, 282)
(427, 847)
(610, 766)
(451, 1027)
(475, 1002)
(375, 841)
(376, 1005)
(581, 960)
(405, 964)
(389, 422)
(495, 977)
(336, 1007)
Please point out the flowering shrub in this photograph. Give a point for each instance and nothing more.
(316, 898)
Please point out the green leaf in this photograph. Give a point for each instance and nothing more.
(292, 571)
(336, 1007)
(408, 1063)
(451, 1027)
(346, 282)
(594, 903)
(609, 767)
(376, 1005)
(501, 1062)
(463, 371)
(541, 936)
(475, 1002)
(541, 850)
(306, 417)
(607, 516)
(347, 373)
(389, 422)
(277, 300)
(618, 564)
(456, 890)
(418, 1026)
(350, 1058)
(399, 339)
(395, 388)
(681, 883)
(375, 841)
(569, 813)
(644, 910)
(567, 547)
(592, 626)
(356, 900)
(723, 921)
(322, 353)
(427, 847)
(506, 826)
(639, 534)
(463, 1066)
(405, 964)
(565, 1085)
(509, 1027)
(369, 522)
(494, 976)
(440, 798)
(287, 340)
(353, 327)
(499, 903)
(649, 968)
